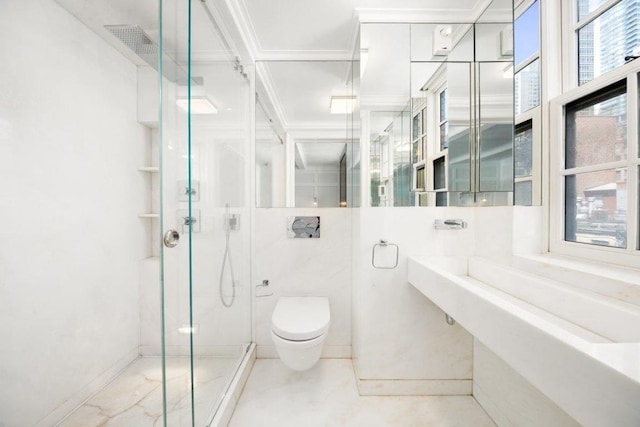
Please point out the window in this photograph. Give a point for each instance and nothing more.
(523, 164)
(527, 58)
(605, 37)
(444, 123)
(527, 96)
(593, 143)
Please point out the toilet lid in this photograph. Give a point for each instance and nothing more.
(301, 318)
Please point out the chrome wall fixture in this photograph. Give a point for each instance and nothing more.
(449, 224)
(378, 249)
(303, 227)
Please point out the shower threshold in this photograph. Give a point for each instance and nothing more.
(134, 397)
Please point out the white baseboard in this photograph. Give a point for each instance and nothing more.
(72, 403)
(405, 387)
(415, 387)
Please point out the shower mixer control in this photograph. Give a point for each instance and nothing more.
(189, 220)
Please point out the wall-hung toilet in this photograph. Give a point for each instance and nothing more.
(299, 326)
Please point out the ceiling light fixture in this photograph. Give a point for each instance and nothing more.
(199, 105)
(342, 104)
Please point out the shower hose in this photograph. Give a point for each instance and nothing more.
(226, 258)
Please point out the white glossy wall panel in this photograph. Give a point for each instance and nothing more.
(401, 334)
(304, 267)
(510, 399)
(70, 148)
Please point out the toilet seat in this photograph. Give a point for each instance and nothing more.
(301, 318)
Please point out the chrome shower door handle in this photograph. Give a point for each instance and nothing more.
(171, 238)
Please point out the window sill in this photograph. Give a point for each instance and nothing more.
(610, 280)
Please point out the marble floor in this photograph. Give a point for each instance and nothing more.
(327, 396)
(134, 398)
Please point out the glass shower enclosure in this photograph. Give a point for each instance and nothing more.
(204, 145)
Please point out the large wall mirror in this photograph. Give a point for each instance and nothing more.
(437, 111)
(423, 116)
(307, 152)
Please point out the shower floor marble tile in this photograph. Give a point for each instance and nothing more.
(327, 396)
(134, 398)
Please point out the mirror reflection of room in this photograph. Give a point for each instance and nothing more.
(306, 154)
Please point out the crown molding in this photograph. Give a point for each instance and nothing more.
(240, 15)
(422, 15)
(304, 55)
(262, 72)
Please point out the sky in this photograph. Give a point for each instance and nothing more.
(527, 34)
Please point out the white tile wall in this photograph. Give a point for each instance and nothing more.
(304, 267)
(509, 398)
(401, 335)
(70, 148)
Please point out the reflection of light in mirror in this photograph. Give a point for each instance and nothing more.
(364, 58)
(508, 72)
(342, 104)
(189, 330)
(199, 105)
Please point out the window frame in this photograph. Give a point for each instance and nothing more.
(533, 115)
(631, 255)
(570, 26)
(519, 9)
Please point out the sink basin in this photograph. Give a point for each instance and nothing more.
(580, 349)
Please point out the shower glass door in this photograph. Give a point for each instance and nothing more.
(204, 145)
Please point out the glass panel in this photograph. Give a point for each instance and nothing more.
(596, 208)
(443, 106)
(402, 168)
(494, 42)
(496, 128)
(527, 87)
(596, 128)
(585, 7)
(386, 111)
(604, 42)
(439, 174)
(176, 190)
(523, 144)
(204, 173)
(444, 136)
(527, 34)
(523, 193)
(270, 162)
(457, 128)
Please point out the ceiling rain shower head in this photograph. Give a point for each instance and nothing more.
(146, 49)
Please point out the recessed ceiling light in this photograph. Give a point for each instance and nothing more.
(342, 104)
(199, 105)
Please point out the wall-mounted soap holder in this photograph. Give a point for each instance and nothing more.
(263, 287)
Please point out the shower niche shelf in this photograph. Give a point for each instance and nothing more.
(149, 169)
(149, 215)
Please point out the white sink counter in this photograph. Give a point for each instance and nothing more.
(580, 349)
